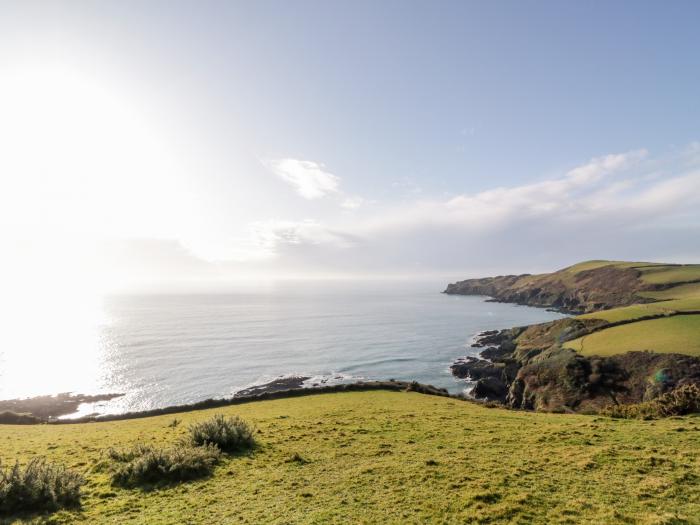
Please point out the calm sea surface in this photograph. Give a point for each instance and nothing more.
(169, 349)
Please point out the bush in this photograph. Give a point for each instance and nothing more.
(148, 465)
(680, 401)
(40, 486)
(229, 434)
(13, 418)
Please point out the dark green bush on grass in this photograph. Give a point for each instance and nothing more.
(13, 418)
(148, 465)
(680, 401)
(230, 434)
(39, 486)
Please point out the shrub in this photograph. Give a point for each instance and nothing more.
(298, 458)
(682, 400)
(148, 465)
(13, 418)
(229, 434)
(40, 486)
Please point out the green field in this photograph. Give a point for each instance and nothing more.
(600, 263)
(671, 274)
(631, 312)
(393, 457)
(683, 291)
(679, 334)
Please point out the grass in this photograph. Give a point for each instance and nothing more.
(683, 291)
(393, 457)
(627, 313)
(592, 265)
(679, 334)
(671, 274)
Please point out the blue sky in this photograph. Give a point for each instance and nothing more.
(329, 138)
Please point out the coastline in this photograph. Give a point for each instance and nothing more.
(273, 393)
(51, 406)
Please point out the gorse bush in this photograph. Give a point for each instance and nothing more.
(193, 457)
(13, 418)
(228, 433)
(148, 465)
(40, 486)
(680, 401)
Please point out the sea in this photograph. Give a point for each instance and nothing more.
(167, 349)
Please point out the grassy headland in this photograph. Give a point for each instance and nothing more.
(393, 457)
(637, 336)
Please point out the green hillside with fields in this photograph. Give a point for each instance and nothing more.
(634, 336)
(390, 457)
(668, 320)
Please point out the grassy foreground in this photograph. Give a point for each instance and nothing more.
(394, 457)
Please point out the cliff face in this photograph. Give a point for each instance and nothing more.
(569, 290)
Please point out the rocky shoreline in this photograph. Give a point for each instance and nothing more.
(527, 368)
(360, 386)
(276, 385)
(49, 407)
(494, 370)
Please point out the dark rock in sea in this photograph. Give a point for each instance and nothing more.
(495, 353)
(474, 368)
(490, 388)
(276, 385)
(45, 407)
(501, 338)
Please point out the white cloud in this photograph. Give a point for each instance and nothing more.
(308, 178)
(622, 206)
(599, 209)
(352, 203)
(601, 166)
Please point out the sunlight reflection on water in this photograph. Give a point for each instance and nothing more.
(161, 350)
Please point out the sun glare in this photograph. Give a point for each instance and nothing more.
(82, 159)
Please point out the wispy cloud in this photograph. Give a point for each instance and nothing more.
(618, 205)
(352, 203)
(624, 206)
(309, 179)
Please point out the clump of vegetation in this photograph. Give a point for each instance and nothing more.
(8, 417)
(229, 434)
(148, 465)
(39, 486)
(680, 401)
(298, 458)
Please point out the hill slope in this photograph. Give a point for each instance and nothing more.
(602, 356)
(585, 287)
(393, 457)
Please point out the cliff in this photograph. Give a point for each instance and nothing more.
(582, 288)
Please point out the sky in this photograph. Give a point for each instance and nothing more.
(193, 144)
